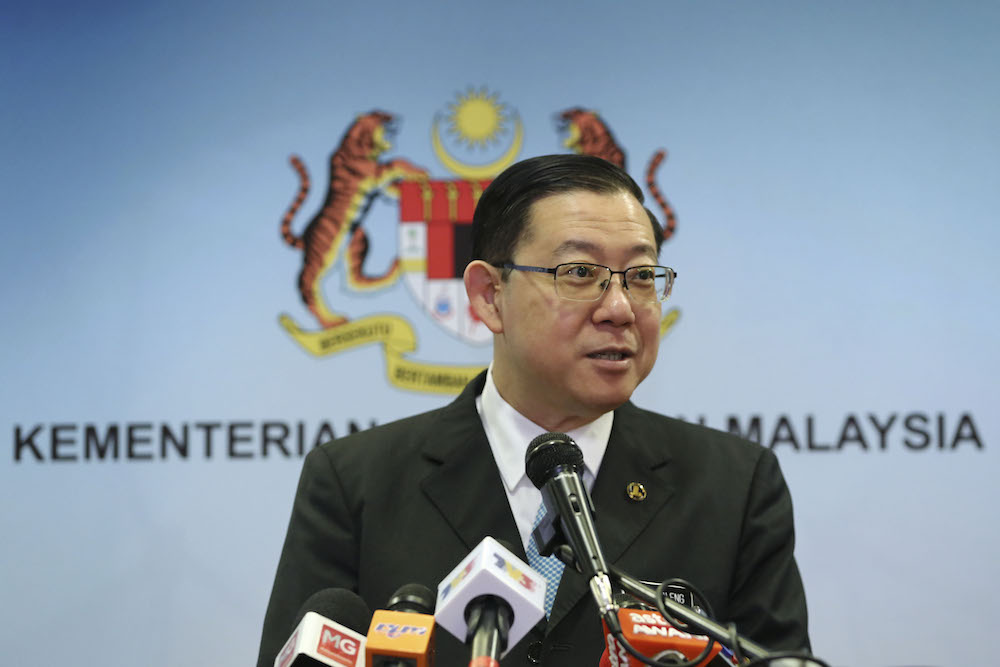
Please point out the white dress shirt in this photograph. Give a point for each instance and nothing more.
(509, 433)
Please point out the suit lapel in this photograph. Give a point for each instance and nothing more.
(635, 454)
(464, 483)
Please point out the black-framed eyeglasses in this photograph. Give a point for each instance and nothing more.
(583, 281)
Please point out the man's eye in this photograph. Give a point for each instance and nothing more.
(644, 274)
(581, 272)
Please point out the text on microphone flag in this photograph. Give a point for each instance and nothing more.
(288, 650)
(338, 646)
(456, 580)
(514, 572)
(393, 630)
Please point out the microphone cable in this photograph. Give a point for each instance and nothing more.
(734, 640)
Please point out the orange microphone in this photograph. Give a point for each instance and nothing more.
(653, 637)
(403, 634)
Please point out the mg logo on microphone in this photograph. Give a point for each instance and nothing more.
(338, 647)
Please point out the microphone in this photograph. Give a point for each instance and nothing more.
(318, 640)
(402, 635)
(491, 600)
(653, 637)
(553, 463)
(636, 594)
(683, 605)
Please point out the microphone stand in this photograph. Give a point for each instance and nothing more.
(705, 626)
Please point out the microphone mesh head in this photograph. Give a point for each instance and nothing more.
(340, 606)
(548, 452)
(413, 598)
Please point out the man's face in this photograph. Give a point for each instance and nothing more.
(551, 359)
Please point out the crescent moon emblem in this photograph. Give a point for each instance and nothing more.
(478, 172)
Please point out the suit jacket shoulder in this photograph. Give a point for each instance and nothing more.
(686, 441)
(723, 520)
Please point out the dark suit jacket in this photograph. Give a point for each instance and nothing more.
(405, 502)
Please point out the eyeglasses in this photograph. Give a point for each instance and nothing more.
(581, 281)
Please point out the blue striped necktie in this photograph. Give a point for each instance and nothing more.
(549, 567)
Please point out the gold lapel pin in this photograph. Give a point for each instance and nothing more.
(636, 491)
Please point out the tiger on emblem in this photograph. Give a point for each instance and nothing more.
(588, 134)
(356, 178)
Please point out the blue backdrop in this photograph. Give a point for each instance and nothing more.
(834, 172)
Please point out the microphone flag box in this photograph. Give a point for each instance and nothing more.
(652, 636)
(399, 637)
(319, 641)
(491, 569)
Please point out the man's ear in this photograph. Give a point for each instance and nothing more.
(483, 286)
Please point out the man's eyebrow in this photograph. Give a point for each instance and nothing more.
(576, 244)
(579, 245)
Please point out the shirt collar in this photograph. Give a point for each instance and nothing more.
(509, 433)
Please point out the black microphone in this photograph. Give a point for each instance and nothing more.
(330, 626)
(412, 599)
(489, 618)
(553, 463)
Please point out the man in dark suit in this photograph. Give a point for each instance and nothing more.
(565, 275)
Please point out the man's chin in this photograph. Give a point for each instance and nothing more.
(608, 400)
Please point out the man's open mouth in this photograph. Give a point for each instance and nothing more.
(612, 356)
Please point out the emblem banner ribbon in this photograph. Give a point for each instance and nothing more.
(398, 338)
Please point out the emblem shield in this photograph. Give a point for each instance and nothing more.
(435, 244)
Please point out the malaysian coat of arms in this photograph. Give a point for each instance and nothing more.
(434, 238)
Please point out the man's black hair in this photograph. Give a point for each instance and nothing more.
(501, 218)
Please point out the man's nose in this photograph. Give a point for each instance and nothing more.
(616, 303)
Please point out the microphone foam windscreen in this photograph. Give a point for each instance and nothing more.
(339, 605)
(413, 598)
(547, 452)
